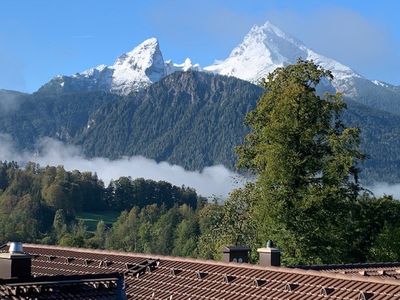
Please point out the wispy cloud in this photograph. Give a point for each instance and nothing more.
(211, 181)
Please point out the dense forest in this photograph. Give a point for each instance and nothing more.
(41, 205)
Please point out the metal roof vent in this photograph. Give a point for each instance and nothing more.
(16, 247)
(175, 271)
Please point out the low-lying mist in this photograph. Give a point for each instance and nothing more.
(215, 181)
(382, 188)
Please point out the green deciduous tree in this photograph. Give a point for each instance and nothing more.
(305, 160)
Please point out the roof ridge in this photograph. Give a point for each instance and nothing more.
(287, 270)
(349, 265)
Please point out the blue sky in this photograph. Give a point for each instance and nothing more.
(42, 38)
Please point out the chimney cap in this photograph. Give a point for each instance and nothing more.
(16, 248)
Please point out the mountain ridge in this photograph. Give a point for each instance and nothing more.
(262, 50)
(266, 48)
(276, 49)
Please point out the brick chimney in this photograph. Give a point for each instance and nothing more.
(239, 254)
(16, 263)
(269, 256)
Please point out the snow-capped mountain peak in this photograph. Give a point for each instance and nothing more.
(132, 71)
(262, 50)
(143, 50)
(138, 68)
(266, 48)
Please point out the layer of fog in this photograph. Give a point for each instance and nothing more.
(382, 188)
(216, 181)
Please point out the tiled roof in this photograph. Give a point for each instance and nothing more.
(161, 277)
(100, 286)
(382, 270)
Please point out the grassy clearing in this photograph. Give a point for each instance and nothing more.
(91, 219)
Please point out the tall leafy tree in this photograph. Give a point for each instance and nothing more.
(305, 160)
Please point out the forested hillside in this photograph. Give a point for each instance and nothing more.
(192, 119)
(49, 115)
(380, 140)
(195, 119)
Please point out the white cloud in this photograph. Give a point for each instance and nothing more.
(211, 181)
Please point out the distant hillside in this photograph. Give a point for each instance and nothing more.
(379, 96)
(10, 101)
(58, 116)
(380, 133)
